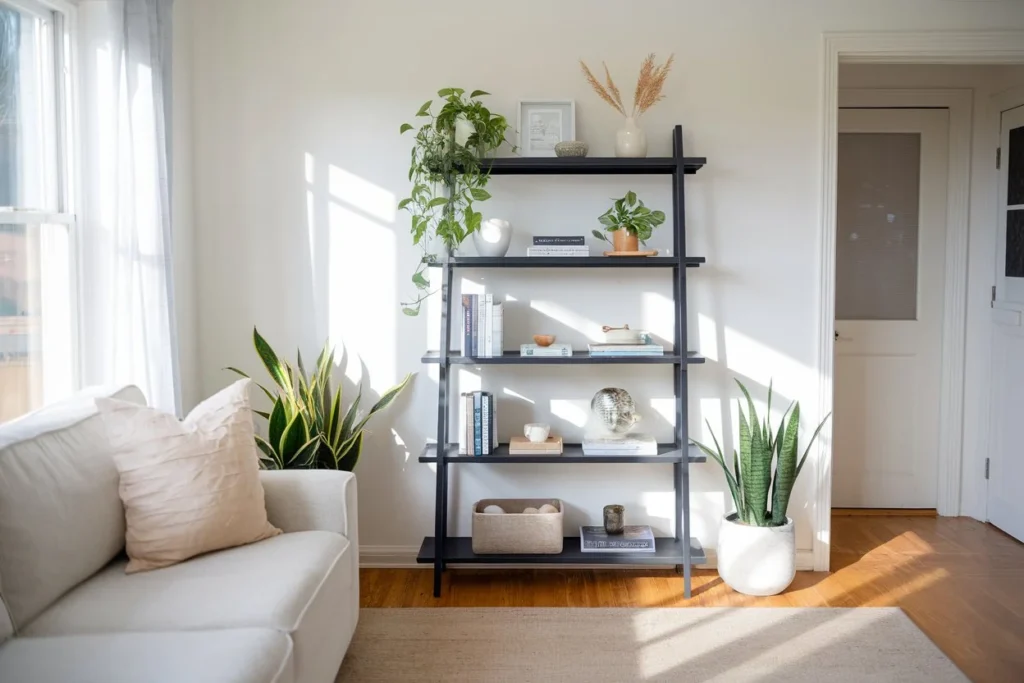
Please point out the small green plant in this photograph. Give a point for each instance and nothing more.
(631, 215)
(751, 477)
(307, 429)
(447, 176)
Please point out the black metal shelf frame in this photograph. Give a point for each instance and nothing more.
(670, 551)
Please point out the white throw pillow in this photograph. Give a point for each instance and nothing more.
(188, 487)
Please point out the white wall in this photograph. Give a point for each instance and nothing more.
(984, 82)
(326, 84)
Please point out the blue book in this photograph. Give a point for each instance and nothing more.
(467, 327)
(478, 447)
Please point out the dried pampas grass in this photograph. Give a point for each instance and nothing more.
(649, 86)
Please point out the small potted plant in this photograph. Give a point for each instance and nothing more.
(757, 544)
(629, 222)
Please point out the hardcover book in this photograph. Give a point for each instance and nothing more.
(520, 445)
(557, 251)
(633, 539)
(626, 350)
(559, 240)
(630, 444)
(554, 350)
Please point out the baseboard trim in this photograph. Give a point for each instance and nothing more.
(404, 557)
(884, 512)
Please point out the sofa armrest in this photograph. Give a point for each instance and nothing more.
(312, 500)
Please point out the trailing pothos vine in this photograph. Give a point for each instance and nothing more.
(447, 177)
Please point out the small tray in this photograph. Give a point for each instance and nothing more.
(653, 252)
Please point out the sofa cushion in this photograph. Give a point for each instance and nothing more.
(263, 585)
(61, 519)
(230, 656)
(188, 487)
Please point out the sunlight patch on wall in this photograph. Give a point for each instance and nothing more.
(569, 318)
(512, 394)
(665, 407)
(362, 295)
(752, 359)
(661, 505)
(710, 410)
(354, 191)
(570, 412)
(658, 315)
(707, 335)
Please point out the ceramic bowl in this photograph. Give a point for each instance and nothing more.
(571, 148)
(543, 339)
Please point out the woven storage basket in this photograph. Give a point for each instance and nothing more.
(515, 533)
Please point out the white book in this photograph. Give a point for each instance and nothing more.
(486, 330)
(463, 443)
(498, 347)
(545, 351)
(631, 444)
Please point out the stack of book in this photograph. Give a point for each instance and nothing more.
(520, 445)
(478, 417)
(552, 351)
(482, 326)
(628, 444)
(566, 245)
(633, 539)
(619, 350)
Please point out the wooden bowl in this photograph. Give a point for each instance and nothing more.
(544, 339)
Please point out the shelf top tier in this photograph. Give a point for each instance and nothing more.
(592, 165)
(569, 262)
(577, 358)
(572, 453)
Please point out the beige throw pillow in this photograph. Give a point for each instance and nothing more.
(188, 487)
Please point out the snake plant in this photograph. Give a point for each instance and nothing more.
(306, 429)
(751, 479)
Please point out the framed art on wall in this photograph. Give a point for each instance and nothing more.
(544, 123)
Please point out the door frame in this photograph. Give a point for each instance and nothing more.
(954, 311)
(949, 47)
(958, 103)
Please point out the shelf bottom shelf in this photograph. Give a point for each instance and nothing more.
(668, 551)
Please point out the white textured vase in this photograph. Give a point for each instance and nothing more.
(756, 560)
(630, 140)
(492, 237)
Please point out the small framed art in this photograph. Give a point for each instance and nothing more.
(544, 123)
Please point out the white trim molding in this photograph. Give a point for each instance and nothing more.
(965, 47)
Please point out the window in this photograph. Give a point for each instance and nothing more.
(37, 226)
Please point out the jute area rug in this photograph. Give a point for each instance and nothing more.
(558, 645)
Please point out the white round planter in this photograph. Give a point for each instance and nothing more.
(756, 560)
(493, 237)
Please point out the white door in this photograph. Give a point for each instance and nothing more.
(890, 262)
(1006, 457)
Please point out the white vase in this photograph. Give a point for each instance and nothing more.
(630, 140)
(756, 560)
(492, 237)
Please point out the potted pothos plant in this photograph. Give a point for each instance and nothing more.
(448, 177)
(757, 544)
(629, 221)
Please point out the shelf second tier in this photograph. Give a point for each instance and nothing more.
(572, 453)
(577, 358)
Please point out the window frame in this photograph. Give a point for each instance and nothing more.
(63, 17)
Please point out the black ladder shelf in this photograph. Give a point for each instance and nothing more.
(680, 550)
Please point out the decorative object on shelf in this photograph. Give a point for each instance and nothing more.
(478, 423)
(620, 335)
(632, 444)
(537, 432)
(447, 176)
(614, 519)
(756, 544)
(571, 148)
(531, 511)
(515, 532)
(542, 124)
(493, 510)
(552, 350)
(544, 340)
(307, 429)
(629, 221)
(631, 140)
(547, 509)
(615, 410)
(521, 445)
(632, 539)
(493, 238)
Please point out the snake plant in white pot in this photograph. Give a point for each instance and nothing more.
(757, 544)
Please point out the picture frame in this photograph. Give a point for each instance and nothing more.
(543, 123)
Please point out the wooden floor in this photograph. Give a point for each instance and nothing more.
(961, 581)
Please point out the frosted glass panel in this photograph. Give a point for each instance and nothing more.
(877, 217)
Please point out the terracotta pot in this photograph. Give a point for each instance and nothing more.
(622, 240)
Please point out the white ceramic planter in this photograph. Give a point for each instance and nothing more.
(492, 237)
(756, 560)
(630, 140)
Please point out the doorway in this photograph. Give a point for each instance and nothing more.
(893, 169)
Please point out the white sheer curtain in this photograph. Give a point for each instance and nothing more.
(128, 326)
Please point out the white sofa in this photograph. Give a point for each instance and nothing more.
(279, 611)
